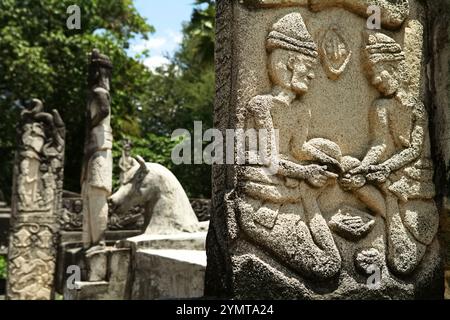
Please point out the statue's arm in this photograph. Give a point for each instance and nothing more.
(414, 151)
(102, 100)
(379, 128)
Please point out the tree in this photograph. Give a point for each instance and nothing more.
(183, 92)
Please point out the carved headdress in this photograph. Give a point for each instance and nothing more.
(100, 60)
(290, 33)
(381, 48)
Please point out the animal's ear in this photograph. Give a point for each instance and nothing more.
(142, 163)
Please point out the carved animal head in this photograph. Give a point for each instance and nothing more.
(134, 190)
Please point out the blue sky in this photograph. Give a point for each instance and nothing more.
(167, 17)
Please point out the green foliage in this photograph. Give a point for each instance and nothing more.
(2, 267)
(184, 92)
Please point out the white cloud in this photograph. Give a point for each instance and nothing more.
(150, 44)
(156, 61)
(176, 37)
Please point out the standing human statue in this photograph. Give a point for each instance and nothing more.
(96, 178)
(126, 162)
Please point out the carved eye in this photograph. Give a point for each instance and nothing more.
(291, 63)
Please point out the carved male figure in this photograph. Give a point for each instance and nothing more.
(281, 212)
(96, 178)
(399, 159)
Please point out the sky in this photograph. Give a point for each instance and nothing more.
(167, 17)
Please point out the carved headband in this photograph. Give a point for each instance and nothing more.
(277, 40)
(386, 57)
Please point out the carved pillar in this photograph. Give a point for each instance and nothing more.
(36, 202)
(352, 209)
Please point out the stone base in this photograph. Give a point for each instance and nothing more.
(167, 266)
(70, 253)
(106, 277)
(143, 268)
(168, 274)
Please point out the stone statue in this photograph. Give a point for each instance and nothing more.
(126, 162)
(351, 210)
(36, 203)
(154, 188)
(96, 177)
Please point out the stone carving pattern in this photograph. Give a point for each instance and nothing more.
(335, 53)
(36, 201)
(393, 12)
(394, 180)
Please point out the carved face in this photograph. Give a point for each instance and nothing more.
(383, 76)
(291, 70)
(77, 206)
(25, 167)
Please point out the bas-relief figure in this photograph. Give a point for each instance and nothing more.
(96, 177)
(274, 209)
(390, 224)
(36, 201)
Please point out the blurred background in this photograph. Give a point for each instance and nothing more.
(163, 75)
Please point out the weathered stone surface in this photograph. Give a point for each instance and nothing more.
(167, 266)
(169, 274)
(353, 194)
(145, 267)
(108, 272)
(5, 215)
(96, 176)
(166, 207)
(36, 202)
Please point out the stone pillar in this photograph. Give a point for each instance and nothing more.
(36, 203)
(349, 202)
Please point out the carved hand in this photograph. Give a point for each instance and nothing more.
(362, 169)
(318, 176)
(379, 174)
(352, 182)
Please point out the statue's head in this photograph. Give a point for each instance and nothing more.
(25, 167)
(100, 70)
(127, 146)
(292, 54)
(77, 206)
(385, 59)
(43, 168)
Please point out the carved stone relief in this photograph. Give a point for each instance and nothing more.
(353, 192)
(335, 53)
(36, 201)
